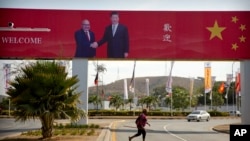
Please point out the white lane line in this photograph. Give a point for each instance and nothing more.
(165, 128)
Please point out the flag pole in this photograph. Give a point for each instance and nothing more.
(227, 97)
(97, 83)
(169, 87)
(205, 101)
(211, 99)
(211, 93)
(132, 86)
(207, 82)
(229, 80)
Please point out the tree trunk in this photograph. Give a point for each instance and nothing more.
(47, 121)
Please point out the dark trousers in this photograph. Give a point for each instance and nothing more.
(141, 131)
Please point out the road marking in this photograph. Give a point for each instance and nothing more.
(113, 127)
(165, 128)
(113, 137)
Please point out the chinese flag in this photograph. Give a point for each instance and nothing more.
(221, 88)
(96, 79)
(237, 83)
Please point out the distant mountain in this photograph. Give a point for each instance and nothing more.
(140, 85)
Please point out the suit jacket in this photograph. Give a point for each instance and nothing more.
(83, 48)
(117, 44)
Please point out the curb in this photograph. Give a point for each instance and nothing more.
(105, 134)
(222, 131)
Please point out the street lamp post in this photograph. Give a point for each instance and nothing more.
(233, 86)
(229, 80)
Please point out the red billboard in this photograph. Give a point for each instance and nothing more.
(178, 35)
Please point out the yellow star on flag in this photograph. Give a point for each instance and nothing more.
(234, 46)
(242, 38)
(216, 31)
(242, 27)
(234, 19)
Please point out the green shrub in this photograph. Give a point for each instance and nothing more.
(73, 132)
(82, 132)
(91, 132)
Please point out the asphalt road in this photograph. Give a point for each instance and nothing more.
(8, 127)
(172, 130)
(160, 129)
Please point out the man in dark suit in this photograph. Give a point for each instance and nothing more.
(84, 37)
(116, 35)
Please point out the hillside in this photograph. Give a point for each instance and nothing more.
(140, 85)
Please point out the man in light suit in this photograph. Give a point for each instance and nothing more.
(116, 35)
(84, 37)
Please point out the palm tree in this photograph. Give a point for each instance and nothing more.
(96, 100)
(116, 101)
(100, 68)
(149, 100)
(142, 101)
(44, 90)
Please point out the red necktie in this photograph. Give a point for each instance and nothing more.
(87, 34)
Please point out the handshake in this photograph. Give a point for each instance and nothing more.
(94, 45)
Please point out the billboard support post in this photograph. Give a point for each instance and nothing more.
(80, 68)
(245, 96)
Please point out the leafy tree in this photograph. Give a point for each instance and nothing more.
(160, 92)
(116, 101)
(217, 98)
(44, 90)
(96, 100)
(4, 105)
(180, 98)
(167, 100)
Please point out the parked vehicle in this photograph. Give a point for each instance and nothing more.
(198, 115)
(235, 113)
